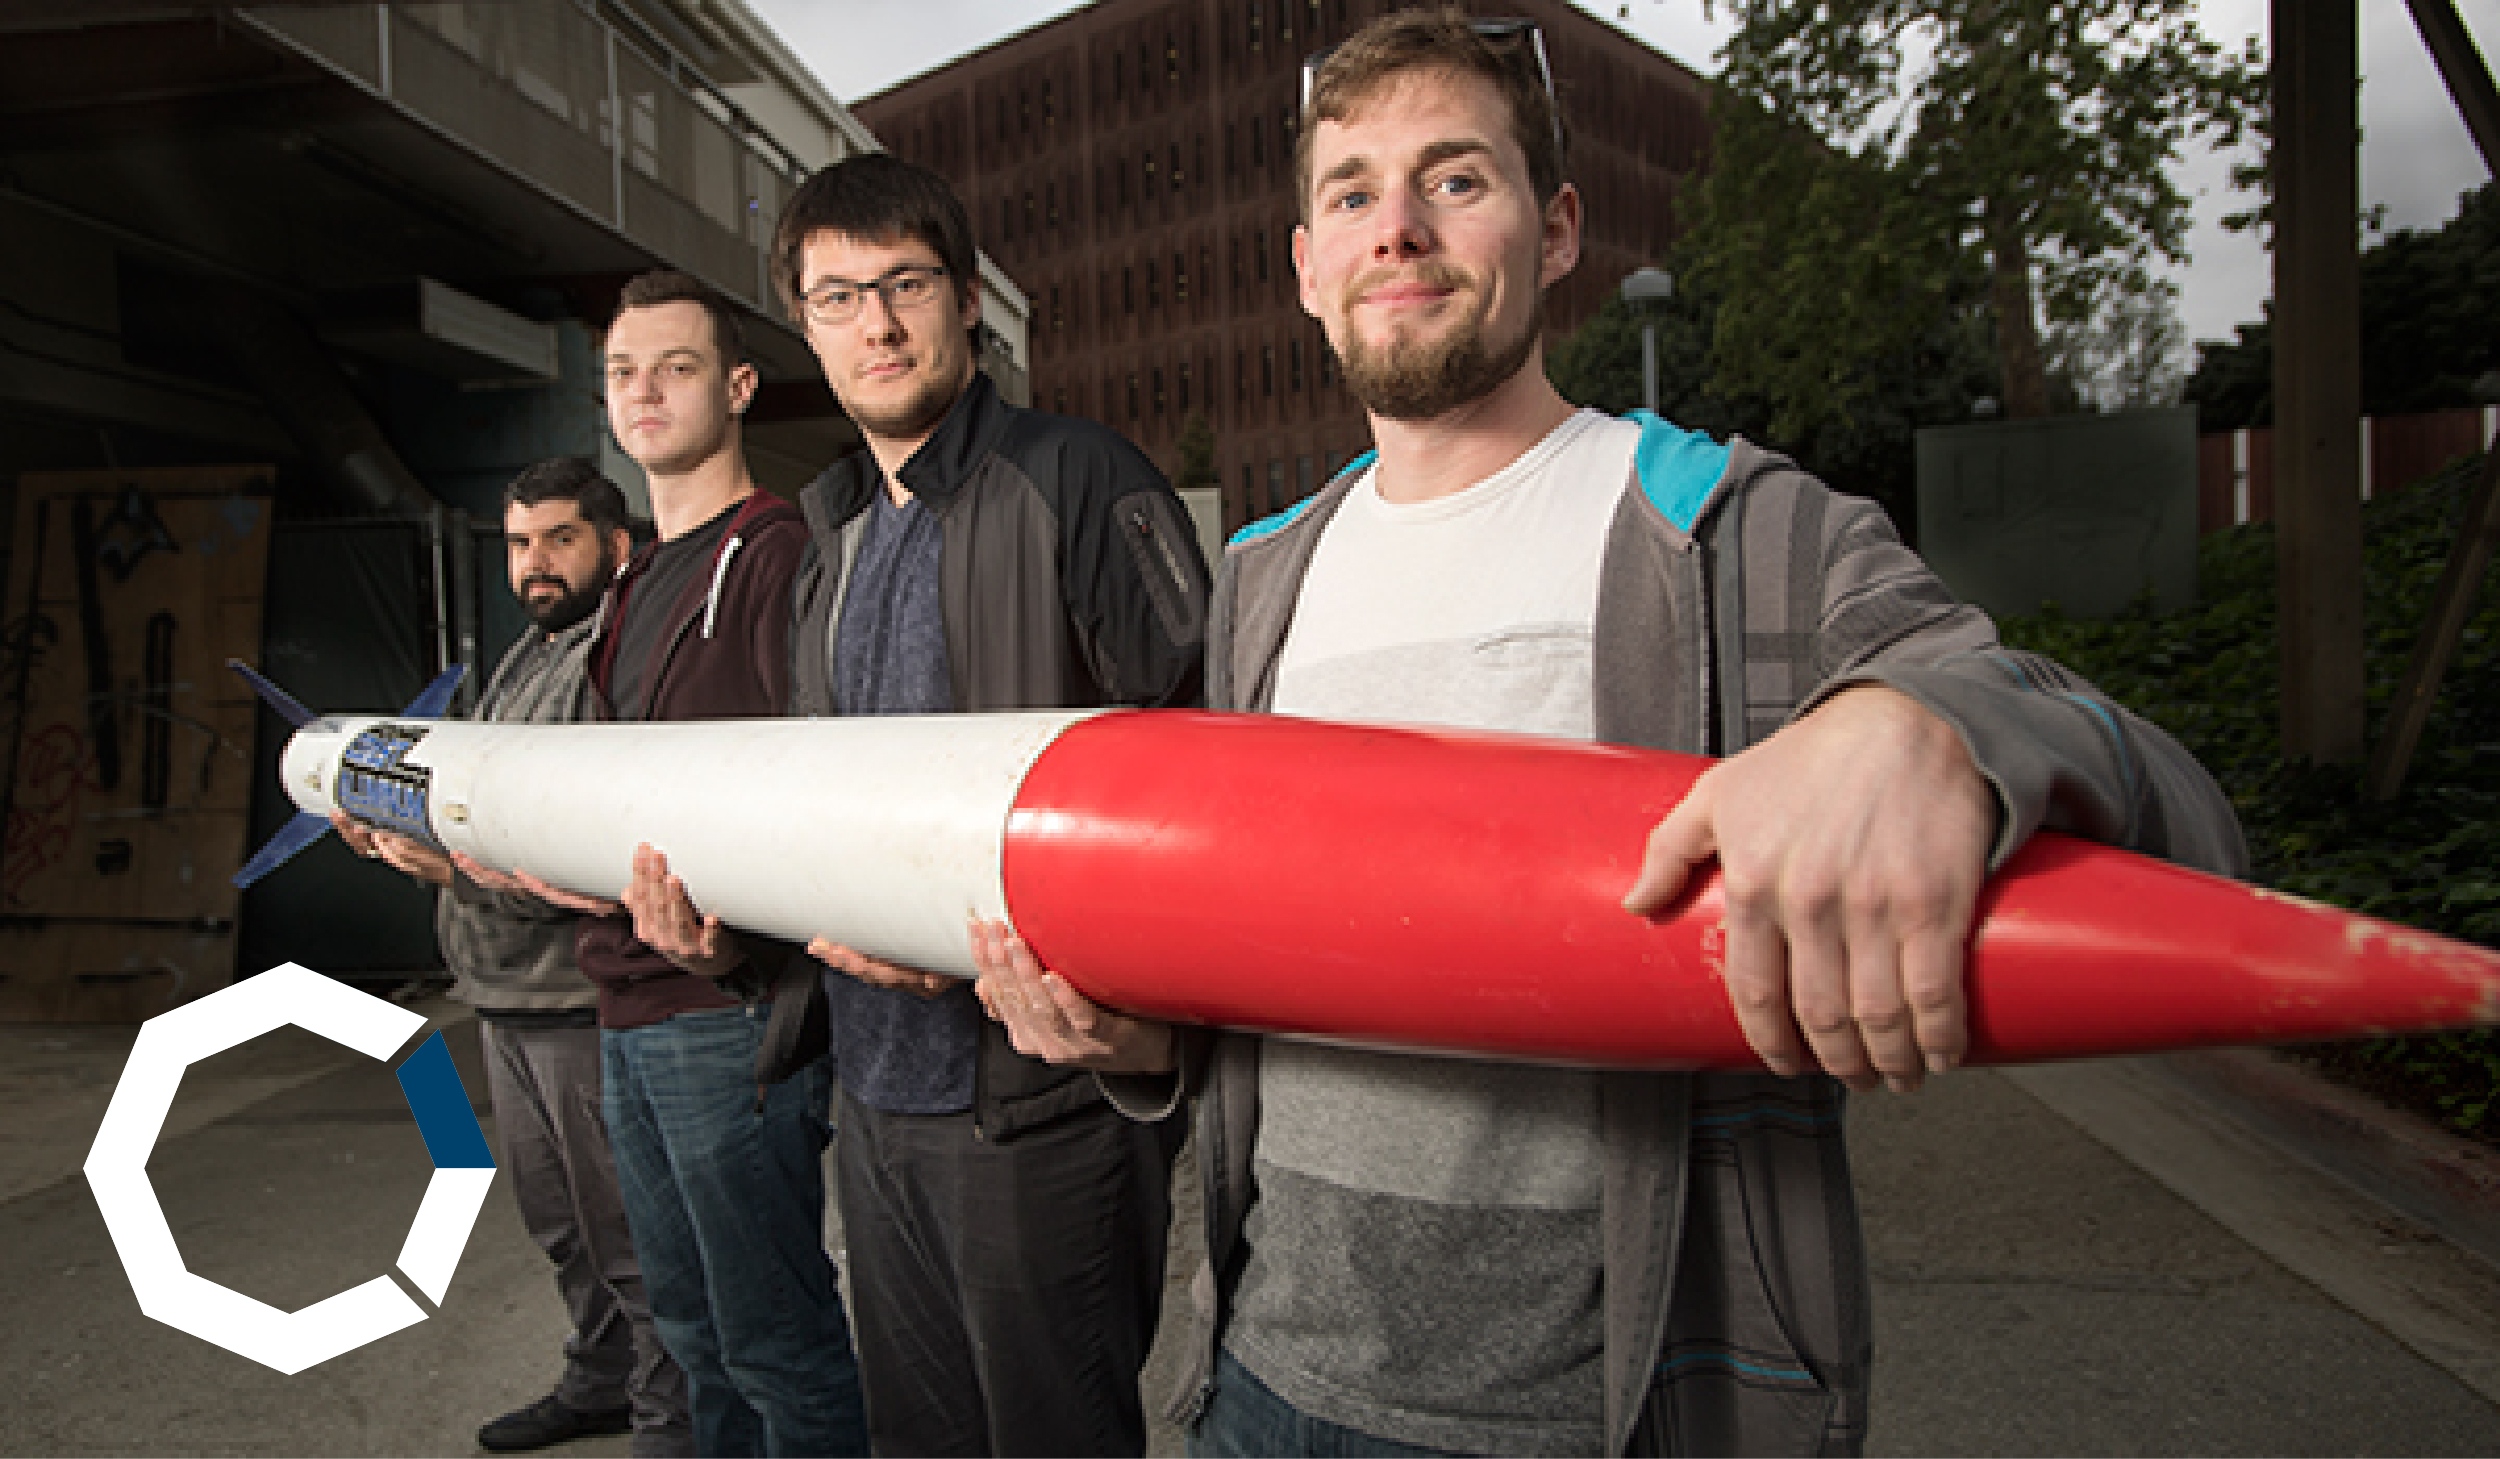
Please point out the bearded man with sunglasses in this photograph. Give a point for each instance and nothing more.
(1413, 1254)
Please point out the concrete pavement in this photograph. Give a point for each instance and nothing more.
(2041, 1286)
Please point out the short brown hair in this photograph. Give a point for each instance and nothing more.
(1444, 39)
(668, 286)
(872, 197)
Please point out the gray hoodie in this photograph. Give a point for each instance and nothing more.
(1737, 593)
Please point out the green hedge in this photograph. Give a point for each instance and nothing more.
(2431, 856)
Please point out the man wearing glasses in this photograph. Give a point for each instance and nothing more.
(1005, 1225)
(1415, 1254)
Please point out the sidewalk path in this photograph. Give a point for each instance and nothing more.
(2037, 1292)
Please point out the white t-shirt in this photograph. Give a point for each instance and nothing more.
(1472, 610)
(1423, 1254)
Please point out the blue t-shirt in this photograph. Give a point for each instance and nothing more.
(897, 1051)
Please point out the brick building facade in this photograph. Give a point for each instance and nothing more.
(1130, 165)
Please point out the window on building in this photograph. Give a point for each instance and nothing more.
(1249, 490)
(1171, 58)
(1176, 166)
(1158, 389)
(1232, 246)
(1184, 387)
(1119, 87)
(1241, 380)
(1006, 220)
(1284, 20)
(1128, 289)
(1054, 204)
(1147, 162)
(1258, 143)
(1132, 395)
(1058, 320)
(1293, 365)
(1206, 271)
(1231, 168)
(1180, 278)
(1024, 111)
(1028, 210)
(1255, 20)
(1327, 365)
(1258, 249)
(1154, 291)
(1059, 401)
(1050, 105)
(1276, 475)
(1267, 371)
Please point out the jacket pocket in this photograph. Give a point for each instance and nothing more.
(1737, 1375)
(1160, 546)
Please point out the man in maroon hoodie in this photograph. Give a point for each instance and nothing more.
(723, 1181)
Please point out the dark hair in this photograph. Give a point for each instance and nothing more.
(572, 479)
(873, 197)
(1449, 40)
(668, 286)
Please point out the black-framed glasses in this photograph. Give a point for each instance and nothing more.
(1497, 30)
(911, 287)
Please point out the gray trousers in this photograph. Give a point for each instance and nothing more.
(544, 1083)
(1004, 1294)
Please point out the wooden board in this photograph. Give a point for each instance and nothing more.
(128, 742)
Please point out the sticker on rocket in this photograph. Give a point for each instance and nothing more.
(377, 786)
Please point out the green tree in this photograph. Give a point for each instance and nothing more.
(1871, 157)
(1197, 448)
(1925, 380)
(2127, 354)
(2427, 302)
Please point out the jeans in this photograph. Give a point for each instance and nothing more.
(545, 1085)
(727, 1206)
(1246, 1418)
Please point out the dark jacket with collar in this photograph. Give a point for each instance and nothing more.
(726, 655)
(1069, 578)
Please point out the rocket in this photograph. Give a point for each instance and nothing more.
(1369, 884)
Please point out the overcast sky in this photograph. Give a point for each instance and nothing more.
(2415, 154)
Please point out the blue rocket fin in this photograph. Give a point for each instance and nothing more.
(294, 836)
(436, 697)
(270, 694)
(307, 828)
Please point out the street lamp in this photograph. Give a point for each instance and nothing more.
(1641, 286)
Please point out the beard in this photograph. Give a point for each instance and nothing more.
(914, 414)
(1419, 379)
(571, 604)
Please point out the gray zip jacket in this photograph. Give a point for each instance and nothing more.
(1737, 592)
(514, 954)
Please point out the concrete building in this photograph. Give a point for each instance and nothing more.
(292, 290)
(1131, 165)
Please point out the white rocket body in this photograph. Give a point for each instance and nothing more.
(886, 833)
